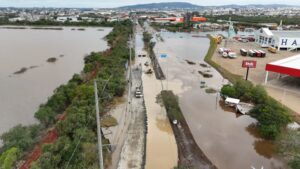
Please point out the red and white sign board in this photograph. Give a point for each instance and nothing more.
(249, 64)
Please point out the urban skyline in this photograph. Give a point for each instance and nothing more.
(118, 3)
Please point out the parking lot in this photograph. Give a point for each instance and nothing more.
(256, 75)
(286, 93)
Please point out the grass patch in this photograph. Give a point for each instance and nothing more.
(210, 90)
(108, 121)
(208, 58)
(171, 104)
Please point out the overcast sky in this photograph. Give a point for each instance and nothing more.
(117, 3)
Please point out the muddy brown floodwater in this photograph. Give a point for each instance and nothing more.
(161, 148)
(229, 140)
(22, 93)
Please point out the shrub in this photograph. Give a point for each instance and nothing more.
(271, 116)
(228, 90)
(8, 158)
(172, 106)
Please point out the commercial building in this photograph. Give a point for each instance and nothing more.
(179, 19)
(282, 40)
(288, 66)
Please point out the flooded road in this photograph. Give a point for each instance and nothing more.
(161, 148)
(228, 139)
(21, 94)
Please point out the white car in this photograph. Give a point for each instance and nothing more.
(232, 55)
(225, 54)
(221, 50)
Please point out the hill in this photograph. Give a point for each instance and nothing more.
(164, 5)
(185, 5)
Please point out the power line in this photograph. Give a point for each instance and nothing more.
(97, 102)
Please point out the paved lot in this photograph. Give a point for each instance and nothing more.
(286, 93)
(256, 75)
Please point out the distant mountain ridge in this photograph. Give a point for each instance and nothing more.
(258, 6)
(186, 5)
(163, 5)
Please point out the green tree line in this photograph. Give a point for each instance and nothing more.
(45, 22)
(76, 100)
(257, 19)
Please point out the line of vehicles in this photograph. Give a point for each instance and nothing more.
(228, 53)
(253, 53)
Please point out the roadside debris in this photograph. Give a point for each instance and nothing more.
(203, 65)
(205, 74)
(190, 62)
(149, 71)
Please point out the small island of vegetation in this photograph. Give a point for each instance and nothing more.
(52, 60)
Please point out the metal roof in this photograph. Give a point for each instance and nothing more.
(289, 66)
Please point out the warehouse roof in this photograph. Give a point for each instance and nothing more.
(289, 66)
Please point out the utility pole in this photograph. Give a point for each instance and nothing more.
(130, 70)
(100, 153)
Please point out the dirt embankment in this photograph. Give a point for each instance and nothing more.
(189, 153)
(157, 69)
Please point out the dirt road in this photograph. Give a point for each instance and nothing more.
(133, 151)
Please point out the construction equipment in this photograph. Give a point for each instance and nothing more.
(272, 49)
(218, 39)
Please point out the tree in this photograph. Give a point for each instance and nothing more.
(20, 137)
(46, 115)
(8, 158)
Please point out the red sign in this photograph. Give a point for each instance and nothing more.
(249, 63)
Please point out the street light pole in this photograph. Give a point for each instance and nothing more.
(100, 153)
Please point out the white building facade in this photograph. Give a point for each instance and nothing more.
(282, 40)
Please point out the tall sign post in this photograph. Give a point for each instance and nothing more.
(248, 64)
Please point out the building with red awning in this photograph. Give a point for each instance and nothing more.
(288, 66)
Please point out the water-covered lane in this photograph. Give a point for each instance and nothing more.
(161, 148)
(225, 137)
